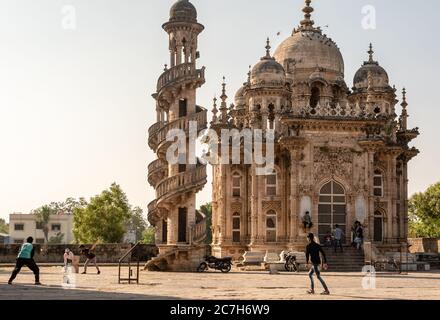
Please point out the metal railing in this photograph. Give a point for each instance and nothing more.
(128, 255)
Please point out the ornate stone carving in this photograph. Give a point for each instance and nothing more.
(236, 207)
(271, 205)
(332, 161)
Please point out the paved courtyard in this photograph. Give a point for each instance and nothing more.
(235, 285)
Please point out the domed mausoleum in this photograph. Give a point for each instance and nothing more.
(340, 154)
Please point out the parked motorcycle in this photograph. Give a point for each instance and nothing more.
(291, 265)
(224, 264)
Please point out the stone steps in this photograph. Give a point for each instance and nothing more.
(350, 260)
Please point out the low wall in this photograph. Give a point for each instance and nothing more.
(106, 253)
(424, 245)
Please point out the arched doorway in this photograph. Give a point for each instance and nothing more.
(378, 227)
(332, 209)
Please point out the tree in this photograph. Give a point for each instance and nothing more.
(68, 206)
(4, 227)
(424, 213)
(43, 217)
(137, 223)
(58, 239)
(149, 235)
(206, 209)
(104, 218)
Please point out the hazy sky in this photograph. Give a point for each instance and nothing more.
(75, 105)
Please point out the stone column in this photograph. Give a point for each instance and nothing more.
(254, 206)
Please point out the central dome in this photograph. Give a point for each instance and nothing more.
(309, 50)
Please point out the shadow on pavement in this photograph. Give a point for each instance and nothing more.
(31, 292)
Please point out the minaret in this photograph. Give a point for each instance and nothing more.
(174, 210)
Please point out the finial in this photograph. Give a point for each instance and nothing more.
(268, 47)
(370, 53)
(404, 104)
(224, 96)
(307, 23)
(166, 67)
(249, 74)
(214, 111)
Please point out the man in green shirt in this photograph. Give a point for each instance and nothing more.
(26, 258)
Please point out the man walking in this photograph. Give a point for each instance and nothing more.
(90, 257)
(338, 234)
(26, 258)
(313, 251)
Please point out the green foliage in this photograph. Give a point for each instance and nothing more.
(137, 223)
(149, 236)
(206, 209)
(4, 227)
(424, 213)
(104, 218)
(58, 239)
(43, 216)
(68, 206)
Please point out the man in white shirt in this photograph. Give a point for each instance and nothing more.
(338, 234)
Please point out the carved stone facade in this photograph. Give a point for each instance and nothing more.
(340, 154)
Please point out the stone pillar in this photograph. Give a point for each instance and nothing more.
(254, 206)
(370, 206)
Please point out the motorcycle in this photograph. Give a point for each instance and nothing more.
(224, 264)
(291, 265)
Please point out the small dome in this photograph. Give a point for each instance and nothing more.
(183, 11)
(379, 76)
(239, 97)
(268, 71)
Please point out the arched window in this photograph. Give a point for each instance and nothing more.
(236, 184)
(378, 183)
(332, 209)
(271, 226)
(378, 226)
(236, 230)
(183, 108)
(315, 97)
(271, 185)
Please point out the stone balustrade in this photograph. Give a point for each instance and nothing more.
(181, 71)
(349, 111)
(156, 170)
(198, 231)
(181, 182)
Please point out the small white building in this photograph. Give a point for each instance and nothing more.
(22, 226)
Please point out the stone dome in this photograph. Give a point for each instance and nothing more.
(268, 71)
(379, 75)
(310, 50)
(183, 11)
(239, 97)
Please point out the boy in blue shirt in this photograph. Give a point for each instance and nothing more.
(26, 258)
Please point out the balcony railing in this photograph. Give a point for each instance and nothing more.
(184, 70)
(152, 212)
(180, 183)
(198, 231)
(158, 133)
(156, 170)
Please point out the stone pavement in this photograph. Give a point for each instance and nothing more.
(214, 285)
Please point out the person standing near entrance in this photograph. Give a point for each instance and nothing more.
(313, 251)
(338, 234)
(90, 257)
(26, 258)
